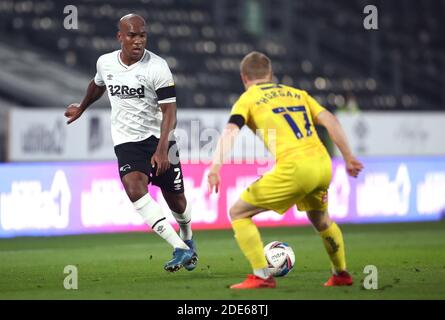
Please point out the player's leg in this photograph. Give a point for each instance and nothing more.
(248, 236)
(134, 171)
(332, 238)
(135, 184)
(315, 204)
(275, 191)
(172, 186)
(181, 210)
(249, 240)
(319, 219)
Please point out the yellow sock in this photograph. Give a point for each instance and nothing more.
(333, 243)
(249, 241)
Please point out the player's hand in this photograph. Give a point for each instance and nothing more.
(213, 180)
(73, 112)
(160, 161)
(353, 166)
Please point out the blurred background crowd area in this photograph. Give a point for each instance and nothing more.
(319, 46)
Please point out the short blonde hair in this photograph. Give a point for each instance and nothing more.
(256, 65)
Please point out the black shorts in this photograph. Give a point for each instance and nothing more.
(136, 156)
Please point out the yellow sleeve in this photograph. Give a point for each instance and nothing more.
(241, 107)
(313, 105)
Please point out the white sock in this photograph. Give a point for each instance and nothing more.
(185, 222)
(262, 273)
(152, 214)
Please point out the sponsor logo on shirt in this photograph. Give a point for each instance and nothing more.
(125, 92)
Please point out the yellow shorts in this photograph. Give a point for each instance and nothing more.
(301, 183)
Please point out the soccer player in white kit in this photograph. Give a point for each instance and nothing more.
(143, 116)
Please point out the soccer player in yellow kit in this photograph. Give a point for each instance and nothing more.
(284, 117)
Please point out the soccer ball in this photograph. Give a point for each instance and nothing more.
(280, 257)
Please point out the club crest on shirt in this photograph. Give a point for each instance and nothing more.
(141, 78)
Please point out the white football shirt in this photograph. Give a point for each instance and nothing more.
(135, 111)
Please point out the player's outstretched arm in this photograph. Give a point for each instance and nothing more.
(337, 134)
(75, 110)
(223, 148)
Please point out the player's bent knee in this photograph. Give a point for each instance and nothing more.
(319, 219)
(134, 194)
(178, 208)
(234, 213)
(135, 185)
(135, 191)
(176, 202)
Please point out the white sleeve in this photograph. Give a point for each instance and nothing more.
(98, 80)
(163, 78)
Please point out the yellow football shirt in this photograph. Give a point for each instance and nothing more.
(283, 117)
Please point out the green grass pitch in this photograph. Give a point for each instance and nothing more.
(410, 259)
